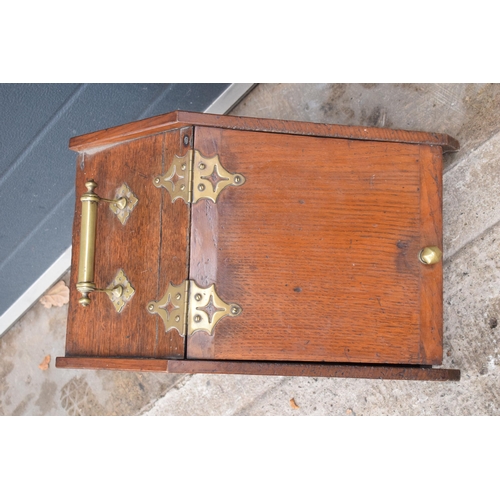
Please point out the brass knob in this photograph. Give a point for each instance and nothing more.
(430, 255)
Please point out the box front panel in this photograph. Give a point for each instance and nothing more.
(320, 249)
(151, 248)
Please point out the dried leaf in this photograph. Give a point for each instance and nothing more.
(57, 296)
(44, 365)
(293, 404)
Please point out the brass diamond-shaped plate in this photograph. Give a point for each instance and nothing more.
(119, 302)
(124, 213)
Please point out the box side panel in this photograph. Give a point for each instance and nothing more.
(99, 330)
(319, 247)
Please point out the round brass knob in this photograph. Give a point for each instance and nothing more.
(430, 255)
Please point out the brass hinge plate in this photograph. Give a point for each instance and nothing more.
(206, 309)
(194, 177)
(172, 307)
(189, 308)
(177, 180)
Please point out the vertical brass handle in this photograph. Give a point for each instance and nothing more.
(86, 282)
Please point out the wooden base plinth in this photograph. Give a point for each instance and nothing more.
(338, 370)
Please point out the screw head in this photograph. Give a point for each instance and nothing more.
(177, 318)
(183, 167)
(178, 296)
(235, 310)
(197, 318)
(201, 187)
(183, 187)
(237, 179)
(202, 166)
(198, 296)
(157, 180)
(186, 140)
(151, 307)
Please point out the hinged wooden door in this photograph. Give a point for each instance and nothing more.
(320, 248)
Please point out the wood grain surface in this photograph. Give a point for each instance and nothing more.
(431, 234)
(122, 364)
(319, 247)
(178, 119)
(152, 249)
(174, 246)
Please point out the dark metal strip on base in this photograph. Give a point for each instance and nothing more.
(341, 370)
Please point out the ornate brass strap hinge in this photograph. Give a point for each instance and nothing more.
(189, 308)
(194, 177)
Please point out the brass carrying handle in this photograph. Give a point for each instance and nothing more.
(86, 283)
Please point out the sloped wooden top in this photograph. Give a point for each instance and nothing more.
(178, 119)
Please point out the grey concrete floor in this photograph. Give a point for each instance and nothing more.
(470, 113)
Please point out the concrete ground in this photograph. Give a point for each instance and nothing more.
(468, 112)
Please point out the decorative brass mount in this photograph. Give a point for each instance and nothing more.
(194, 177)
(125, 206)
(119, 291)
(122, 284)
(122, 206)
(189, 308)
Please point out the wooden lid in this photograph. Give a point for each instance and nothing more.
(178, 119)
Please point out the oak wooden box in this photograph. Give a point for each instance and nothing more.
(312, 247)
